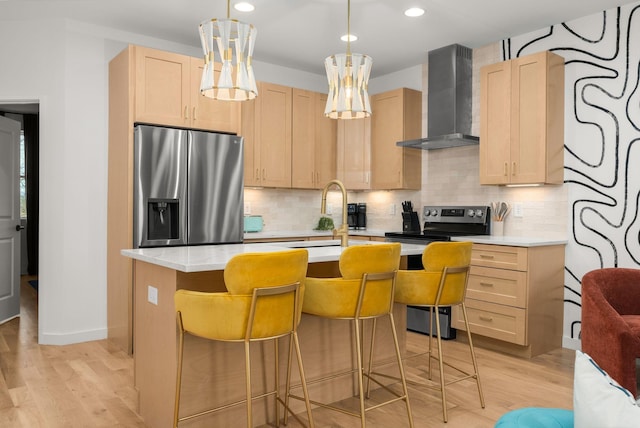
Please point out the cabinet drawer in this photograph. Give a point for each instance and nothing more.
(506, 287)
(499, 256)
(497, 321)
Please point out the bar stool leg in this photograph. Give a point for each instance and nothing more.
(441, 364)
(288, 385)
(473, 355)
(373, 335)
(247, 365)
(276, 360)
(303, 380)
(430, 341)
(176, 408)
(401, 368)
(356, 324)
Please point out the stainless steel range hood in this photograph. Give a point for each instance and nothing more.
(449, 100)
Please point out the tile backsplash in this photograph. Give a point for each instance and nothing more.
(447, 182)
(289, 209)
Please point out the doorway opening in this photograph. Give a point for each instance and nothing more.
(27, 113)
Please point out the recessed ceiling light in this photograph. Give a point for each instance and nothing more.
(414, 12)
(244, 7)
(349, 38)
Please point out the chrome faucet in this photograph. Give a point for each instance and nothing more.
(343, 231)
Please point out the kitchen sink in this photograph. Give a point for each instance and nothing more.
(312, 245)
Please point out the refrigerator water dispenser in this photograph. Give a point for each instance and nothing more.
(162, 220)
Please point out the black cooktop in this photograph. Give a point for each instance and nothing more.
(441, 223)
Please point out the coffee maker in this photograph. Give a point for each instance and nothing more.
(352, 215)
(361, 223)
(357, 216)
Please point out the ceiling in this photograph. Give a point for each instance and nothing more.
(301, 33)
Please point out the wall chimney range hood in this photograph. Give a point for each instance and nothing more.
(449, 100)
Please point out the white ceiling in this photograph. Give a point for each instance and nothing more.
(301, 33)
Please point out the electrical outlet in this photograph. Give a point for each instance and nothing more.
(392, 209)
(517, 209)
(152, 295)
(247, 208)
(329, 209)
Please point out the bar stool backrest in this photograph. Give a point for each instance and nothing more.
(250, 273)
(452, 259)
(363, 263)
(247, 271)
(374, 258)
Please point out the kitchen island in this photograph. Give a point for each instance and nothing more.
(214, 371)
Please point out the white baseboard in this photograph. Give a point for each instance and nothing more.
(571, 343)
(70, 338)
(9, 319)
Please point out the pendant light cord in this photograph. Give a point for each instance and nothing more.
(348, 27)
(228, 9)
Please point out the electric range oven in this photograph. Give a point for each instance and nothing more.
(441, 223)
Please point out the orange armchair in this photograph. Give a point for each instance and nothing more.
(611, 322)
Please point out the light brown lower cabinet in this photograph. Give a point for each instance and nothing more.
(515, 298)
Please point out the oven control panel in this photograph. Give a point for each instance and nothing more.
(459, 214)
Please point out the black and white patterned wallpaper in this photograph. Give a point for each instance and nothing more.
(602, 141)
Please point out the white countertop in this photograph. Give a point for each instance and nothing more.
(513, 241)
(215, 257)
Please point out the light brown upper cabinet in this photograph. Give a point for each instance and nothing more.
(522, 121)
(396, 116)
(266, 128)
(314, 141)
(354, 153)
(167, 92)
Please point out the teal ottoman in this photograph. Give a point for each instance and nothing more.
(536, 417)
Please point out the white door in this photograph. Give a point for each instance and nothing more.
(9, 219)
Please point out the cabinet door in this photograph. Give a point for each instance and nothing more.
(354, 153)
(325, 143)
(162, 93)
(495, 132)
(251, 152)
(386, 130)
(273, 134)
(537, 124)
(303, 171)
(528, 119)
(397, 116)
(209, 114)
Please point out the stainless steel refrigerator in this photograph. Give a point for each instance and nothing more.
(188, 187)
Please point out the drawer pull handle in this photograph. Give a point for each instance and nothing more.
(483, 318)
(486, 256)
(486, 284)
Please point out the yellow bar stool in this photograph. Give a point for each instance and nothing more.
(365, 291)
(263, 302)
(442, 283)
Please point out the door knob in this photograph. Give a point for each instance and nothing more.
(19, 227)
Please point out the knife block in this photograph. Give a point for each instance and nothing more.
(410, 222)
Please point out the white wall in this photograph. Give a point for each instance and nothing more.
(408, 78)
(33, 59)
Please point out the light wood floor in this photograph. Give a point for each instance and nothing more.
(91, 384)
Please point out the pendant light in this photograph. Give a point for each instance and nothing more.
(229, 44)
(348, 76)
